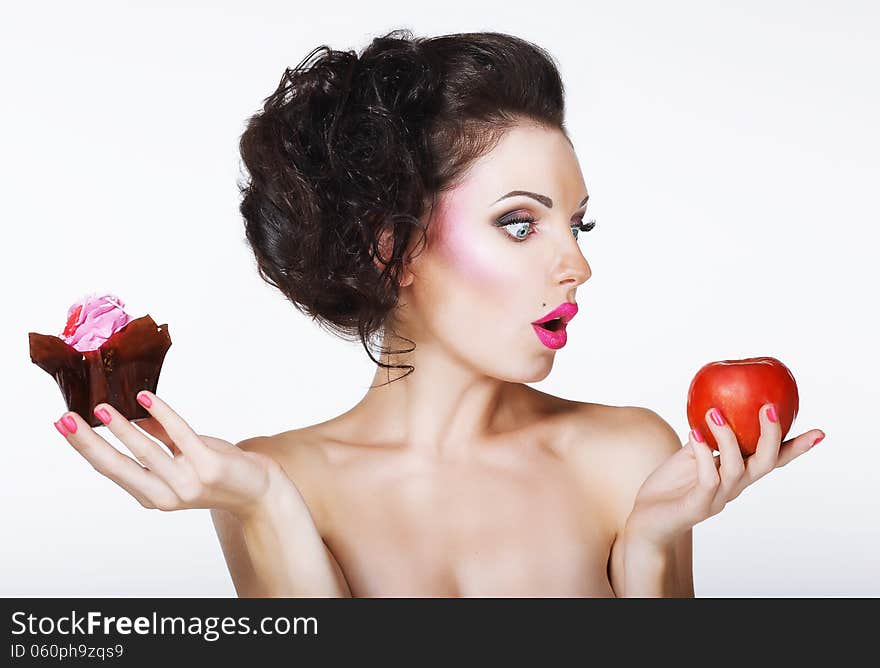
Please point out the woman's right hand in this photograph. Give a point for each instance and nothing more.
(198, 472)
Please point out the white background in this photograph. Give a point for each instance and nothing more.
(731, 158)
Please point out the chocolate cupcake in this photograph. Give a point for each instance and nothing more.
(103, 356)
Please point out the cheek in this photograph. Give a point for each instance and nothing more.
(475, 256)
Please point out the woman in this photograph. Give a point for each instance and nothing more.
(425, 194)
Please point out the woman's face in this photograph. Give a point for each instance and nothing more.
(477, 285)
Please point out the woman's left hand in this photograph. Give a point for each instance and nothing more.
(693, 485)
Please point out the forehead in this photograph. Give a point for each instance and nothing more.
(527, 157)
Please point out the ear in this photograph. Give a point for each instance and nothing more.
(386, 247)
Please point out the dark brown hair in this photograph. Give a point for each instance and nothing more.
(349, 146)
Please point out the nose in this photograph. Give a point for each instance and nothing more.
(572, 268)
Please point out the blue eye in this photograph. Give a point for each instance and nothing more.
(521, 228)
(518, 224)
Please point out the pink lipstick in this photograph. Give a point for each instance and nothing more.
(551, 328)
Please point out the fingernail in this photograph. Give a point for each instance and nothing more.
(697, 435)
(103, 415)
(144, 400)
(818, 439)
(60, 428)
(70, 423)
(716, 417)
(771, 413)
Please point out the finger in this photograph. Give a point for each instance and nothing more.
(143, 485)
(795, 447)
(217, 444)
(152, 426)
(708, 478)
(180, 433)
(155, 429)
(732, 464)
(767, 452)
(147, 451)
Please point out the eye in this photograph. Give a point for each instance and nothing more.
(518, 228)
(583, 227)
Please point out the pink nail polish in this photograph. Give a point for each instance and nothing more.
(103, 415)
(716, 417)
(697, 435)
(70, 423)
(771, 413)
(818, 439)
(144, 400)
(60, 428)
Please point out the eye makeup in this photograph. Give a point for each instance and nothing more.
(510, 221)
(465, 254)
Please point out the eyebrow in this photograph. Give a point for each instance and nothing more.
(543, 199)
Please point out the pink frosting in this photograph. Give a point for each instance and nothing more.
(92, 320)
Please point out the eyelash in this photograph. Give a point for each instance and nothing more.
(581, 227)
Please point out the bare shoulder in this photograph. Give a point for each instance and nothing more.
(294, 453)
(615, 448)
(298, 453)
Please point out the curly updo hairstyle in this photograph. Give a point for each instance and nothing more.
(350, 146)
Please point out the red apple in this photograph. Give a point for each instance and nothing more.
(738, 388)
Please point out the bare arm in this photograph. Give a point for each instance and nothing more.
(627, 447)
(637, 569)
(277, 551)
(270, 542)
(644, 571)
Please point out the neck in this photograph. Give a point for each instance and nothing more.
(444, 409)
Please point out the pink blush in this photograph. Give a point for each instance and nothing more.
(467, 250)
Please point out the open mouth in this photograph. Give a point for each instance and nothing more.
(552, 325)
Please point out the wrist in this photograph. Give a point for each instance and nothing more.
(278, 487)
(640, 548)
(647, 565)
(640, 534)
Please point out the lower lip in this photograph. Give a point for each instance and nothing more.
(553, 340)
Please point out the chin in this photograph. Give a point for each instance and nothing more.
(537, 370)
(540, 374)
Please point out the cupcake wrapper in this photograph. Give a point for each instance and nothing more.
(126, 363)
